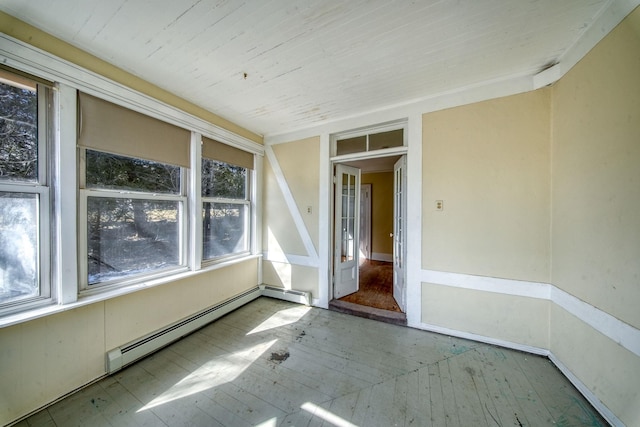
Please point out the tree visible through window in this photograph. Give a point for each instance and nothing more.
(19, 192)
(18, 133)
(225, 213)
(138, 233)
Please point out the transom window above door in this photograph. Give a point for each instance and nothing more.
(387, 136)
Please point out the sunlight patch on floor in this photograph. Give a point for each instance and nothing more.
(273, 422)
(212, 374)
(329, 417)
(281, 318)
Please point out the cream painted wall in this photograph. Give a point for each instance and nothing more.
(300, 164)
(489, 163)
(125, 321)
(49, 357)
(280, 236)
(38, 38)
(45, 358)
(381, 210)
(596, 213)
(509, 318)
(545, 187)
(596, 175)
(609, 370)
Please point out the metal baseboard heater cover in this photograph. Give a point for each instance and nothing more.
(129, 353)
(300, 297)
(133, 351)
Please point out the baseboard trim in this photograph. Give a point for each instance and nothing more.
(615, 329)
(482, 338)
(379, 256)
(579, 385)
(588, 394)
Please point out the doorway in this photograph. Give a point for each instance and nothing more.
(368, 261)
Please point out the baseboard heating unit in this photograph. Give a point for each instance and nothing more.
(300, 297)
(129, 353)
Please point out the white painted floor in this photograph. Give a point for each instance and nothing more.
(272, 363)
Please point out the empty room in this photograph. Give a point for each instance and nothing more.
(319, 213)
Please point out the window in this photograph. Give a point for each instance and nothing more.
(132, 196)
(372, 140)
(97, 199)
(225, 200)
(24, 192)
(136, 234)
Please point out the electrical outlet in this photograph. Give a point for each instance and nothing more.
(439, 205)
(309, 210)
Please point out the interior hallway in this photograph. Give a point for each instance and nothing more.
(274, 363)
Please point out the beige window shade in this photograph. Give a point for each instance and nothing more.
(215, 150)
(22, 79)
(108, 127)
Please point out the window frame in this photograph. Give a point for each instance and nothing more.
(248, 218)
(366, 132)
(42, 187)
(84, 288)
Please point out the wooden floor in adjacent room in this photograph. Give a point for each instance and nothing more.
(273, 363)
(374, 298)
(375, 287)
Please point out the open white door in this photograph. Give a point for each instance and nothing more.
(399, 203)
(347, 224)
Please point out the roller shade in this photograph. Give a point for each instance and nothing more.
(27, 81)
(215, 150)
(108, 127)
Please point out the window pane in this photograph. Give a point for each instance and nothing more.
(18, 246)
(110, 171)
(129, 236)
(224, 230)
(223, 180)
(394, 138)
(351, 145)
(18, 133)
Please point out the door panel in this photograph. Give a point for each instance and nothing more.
(365, 221)
(347, 224)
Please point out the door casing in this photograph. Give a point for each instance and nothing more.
(402, 272)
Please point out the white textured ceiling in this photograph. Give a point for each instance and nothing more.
(274, 66)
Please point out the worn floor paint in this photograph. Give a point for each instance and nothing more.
(272, 363)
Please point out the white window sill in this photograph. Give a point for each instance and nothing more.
(83, 300)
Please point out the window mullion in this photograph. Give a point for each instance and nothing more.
(65, 200)
(194, 196)
(255, 238)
